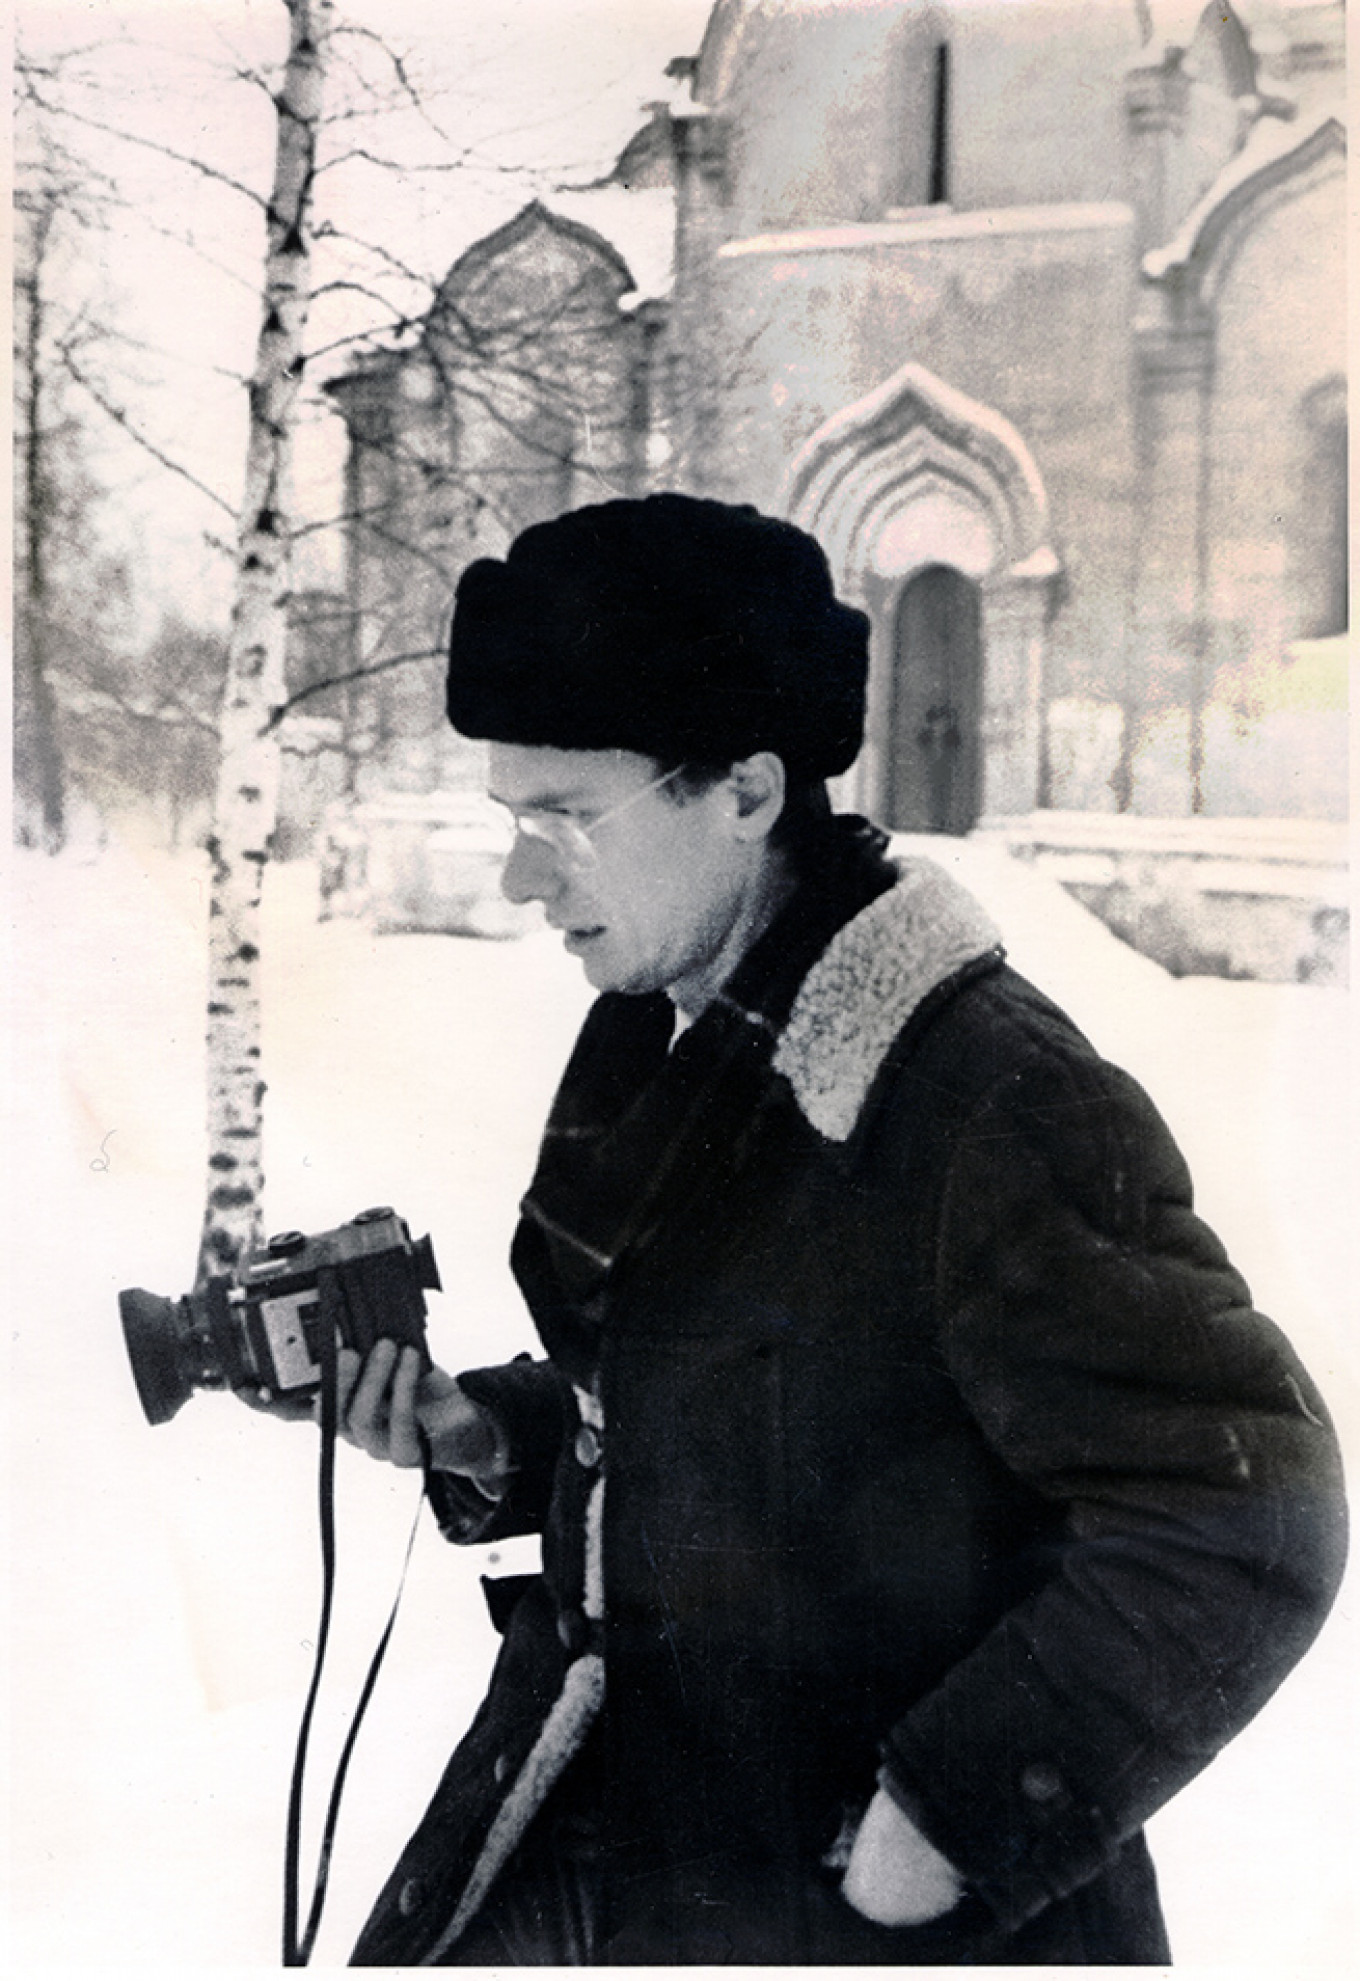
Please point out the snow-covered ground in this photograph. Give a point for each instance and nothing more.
(165, 1582)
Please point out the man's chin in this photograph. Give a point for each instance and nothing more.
(606, 971)
(590, 948)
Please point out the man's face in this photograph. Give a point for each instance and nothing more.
(646, 886)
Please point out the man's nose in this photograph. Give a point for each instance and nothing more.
(530, 872)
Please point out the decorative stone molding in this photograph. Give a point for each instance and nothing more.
(912, 440)
(914, 474)
(1175, 333)
(1281, 165)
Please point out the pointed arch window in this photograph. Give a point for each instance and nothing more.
(938, 189)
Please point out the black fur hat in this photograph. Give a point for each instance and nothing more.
(687, 630)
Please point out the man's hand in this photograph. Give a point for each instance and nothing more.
(895, 1877)
(385, 1401)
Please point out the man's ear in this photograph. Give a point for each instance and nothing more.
(757, 786)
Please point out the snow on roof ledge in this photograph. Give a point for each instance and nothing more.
(639, 224)
(936, 223)
(1271, 150)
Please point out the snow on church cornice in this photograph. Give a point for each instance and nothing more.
(1273, 155)
(639, 222)
(935, 224)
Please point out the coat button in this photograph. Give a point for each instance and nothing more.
(588, 1446)
(411, 1897)
(574, 1631)
(1041, 1782)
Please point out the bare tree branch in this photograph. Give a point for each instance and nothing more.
(365, 673)
(355, 31)
(85, 699)
(188, 239)
(199, 165)
(326, 230)
(346, 285)
(110, 333)
(123, 419)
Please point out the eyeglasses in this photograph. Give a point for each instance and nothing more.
(569, 837)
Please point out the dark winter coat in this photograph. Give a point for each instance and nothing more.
(899, 1415)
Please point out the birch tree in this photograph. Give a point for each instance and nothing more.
(248, 775)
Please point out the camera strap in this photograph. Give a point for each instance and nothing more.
(298, 1951)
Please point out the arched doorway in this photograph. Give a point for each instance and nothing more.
(934, 759)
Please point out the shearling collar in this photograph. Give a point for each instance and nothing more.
(873, 975)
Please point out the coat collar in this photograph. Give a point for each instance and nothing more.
(873, 975)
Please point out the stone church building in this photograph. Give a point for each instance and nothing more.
(1032, 311)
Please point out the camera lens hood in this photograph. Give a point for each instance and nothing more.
(151, 1329)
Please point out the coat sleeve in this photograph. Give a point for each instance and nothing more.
(533, 1403)
(1110, 1356)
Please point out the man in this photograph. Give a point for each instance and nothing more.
(922, 1502)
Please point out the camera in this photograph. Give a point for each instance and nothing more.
(260, 1328)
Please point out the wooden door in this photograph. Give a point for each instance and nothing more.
(934, 780)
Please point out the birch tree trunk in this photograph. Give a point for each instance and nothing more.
(39, 772)
(248, 775)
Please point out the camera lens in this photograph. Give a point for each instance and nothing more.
(154, 1333)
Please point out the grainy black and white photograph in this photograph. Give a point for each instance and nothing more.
(682, 1142)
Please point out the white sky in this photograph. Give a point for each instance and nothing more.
(533, 93)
